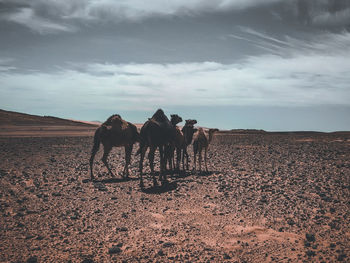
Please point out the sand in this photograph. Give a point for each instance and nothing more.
(267, 198)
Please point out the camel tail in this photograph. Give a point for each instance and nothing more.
(141, 145)
(136, 134)
(95, 149)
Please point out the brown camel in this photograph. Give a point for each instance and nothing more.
(157, 132)
(200, 142)
(114, 132)
(183, 138)
(188, 130)
(170, 147)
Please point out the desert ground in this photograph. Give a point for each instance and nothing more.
(268, 197)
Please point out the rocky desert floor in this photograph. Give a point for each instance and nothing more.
(266, 198)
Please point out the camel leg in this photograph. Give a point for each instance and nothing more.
(187, 160)
(142, 156)
(182, 156)
(151, 163)
(205, 159)
(195, 162)
(91, 164)
(128, 150)
(178, 158)
(162, 175)
(176, 167)
(200, 160)
(107, 149)
(168, 156)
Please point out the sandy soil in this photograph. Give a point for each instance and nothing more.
(46, 131)
(267, 197)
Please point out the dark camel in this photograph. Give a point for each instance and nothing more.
(188, 130)
(200, 142)
(114, 132)
(177, 143)
(157, 132)
(183, 138)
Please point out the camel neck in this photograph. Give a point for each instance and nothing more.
(210, 137)
(188, 134)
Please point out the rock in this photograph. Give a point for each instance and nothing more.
(33, 259)
(226, 256)
(122, 229)
(168, 244)
(310, 237)
(114, 250)
(100, 186)
(310, 253)
(341, 257)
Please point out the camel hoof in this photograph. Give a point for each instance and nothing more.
(142, 186)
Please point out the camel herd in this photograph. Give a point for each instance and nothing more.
(157, 132)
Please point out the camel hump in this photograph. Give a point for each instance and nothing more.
(116, 122)
(160, 116)
(109, 121)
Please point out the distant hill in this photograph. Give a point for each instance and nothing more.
(11, 118)
(242, 131)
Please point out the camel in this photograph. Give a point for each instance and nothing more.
(183, 138)
(114, 132)
(177, 140)
(200, 142)
(188, 130)
(157, 132)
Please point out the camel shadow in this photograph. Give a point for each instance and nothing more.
(160, 189)
(180, 174)
(115, 180)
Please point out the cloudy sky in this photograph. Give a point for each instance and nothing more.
(272, 64)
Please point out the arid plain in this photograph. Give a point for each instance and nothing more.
(268, 197)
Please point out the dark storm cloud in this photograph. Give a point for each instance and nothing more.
(103, 56)
(48, 16)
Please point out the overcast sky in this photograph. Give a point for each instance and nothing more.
(272, 64)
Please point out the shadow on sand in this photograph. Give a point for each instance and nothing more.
(175, 177)
(204, 173)
(165, 187)
(116, 180)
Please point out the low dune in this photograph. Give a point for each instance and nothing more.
(15, 124)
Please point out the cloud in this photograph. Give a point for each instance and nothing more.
(52, 16)
(48, 16)
(287, 46)
(5, 64)
(323, 13)
(339, 18)
(27, 17)
(300, 77)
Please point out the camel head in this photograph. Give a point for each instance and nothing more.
(175, 119)
(212, 131)
(191, 122)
